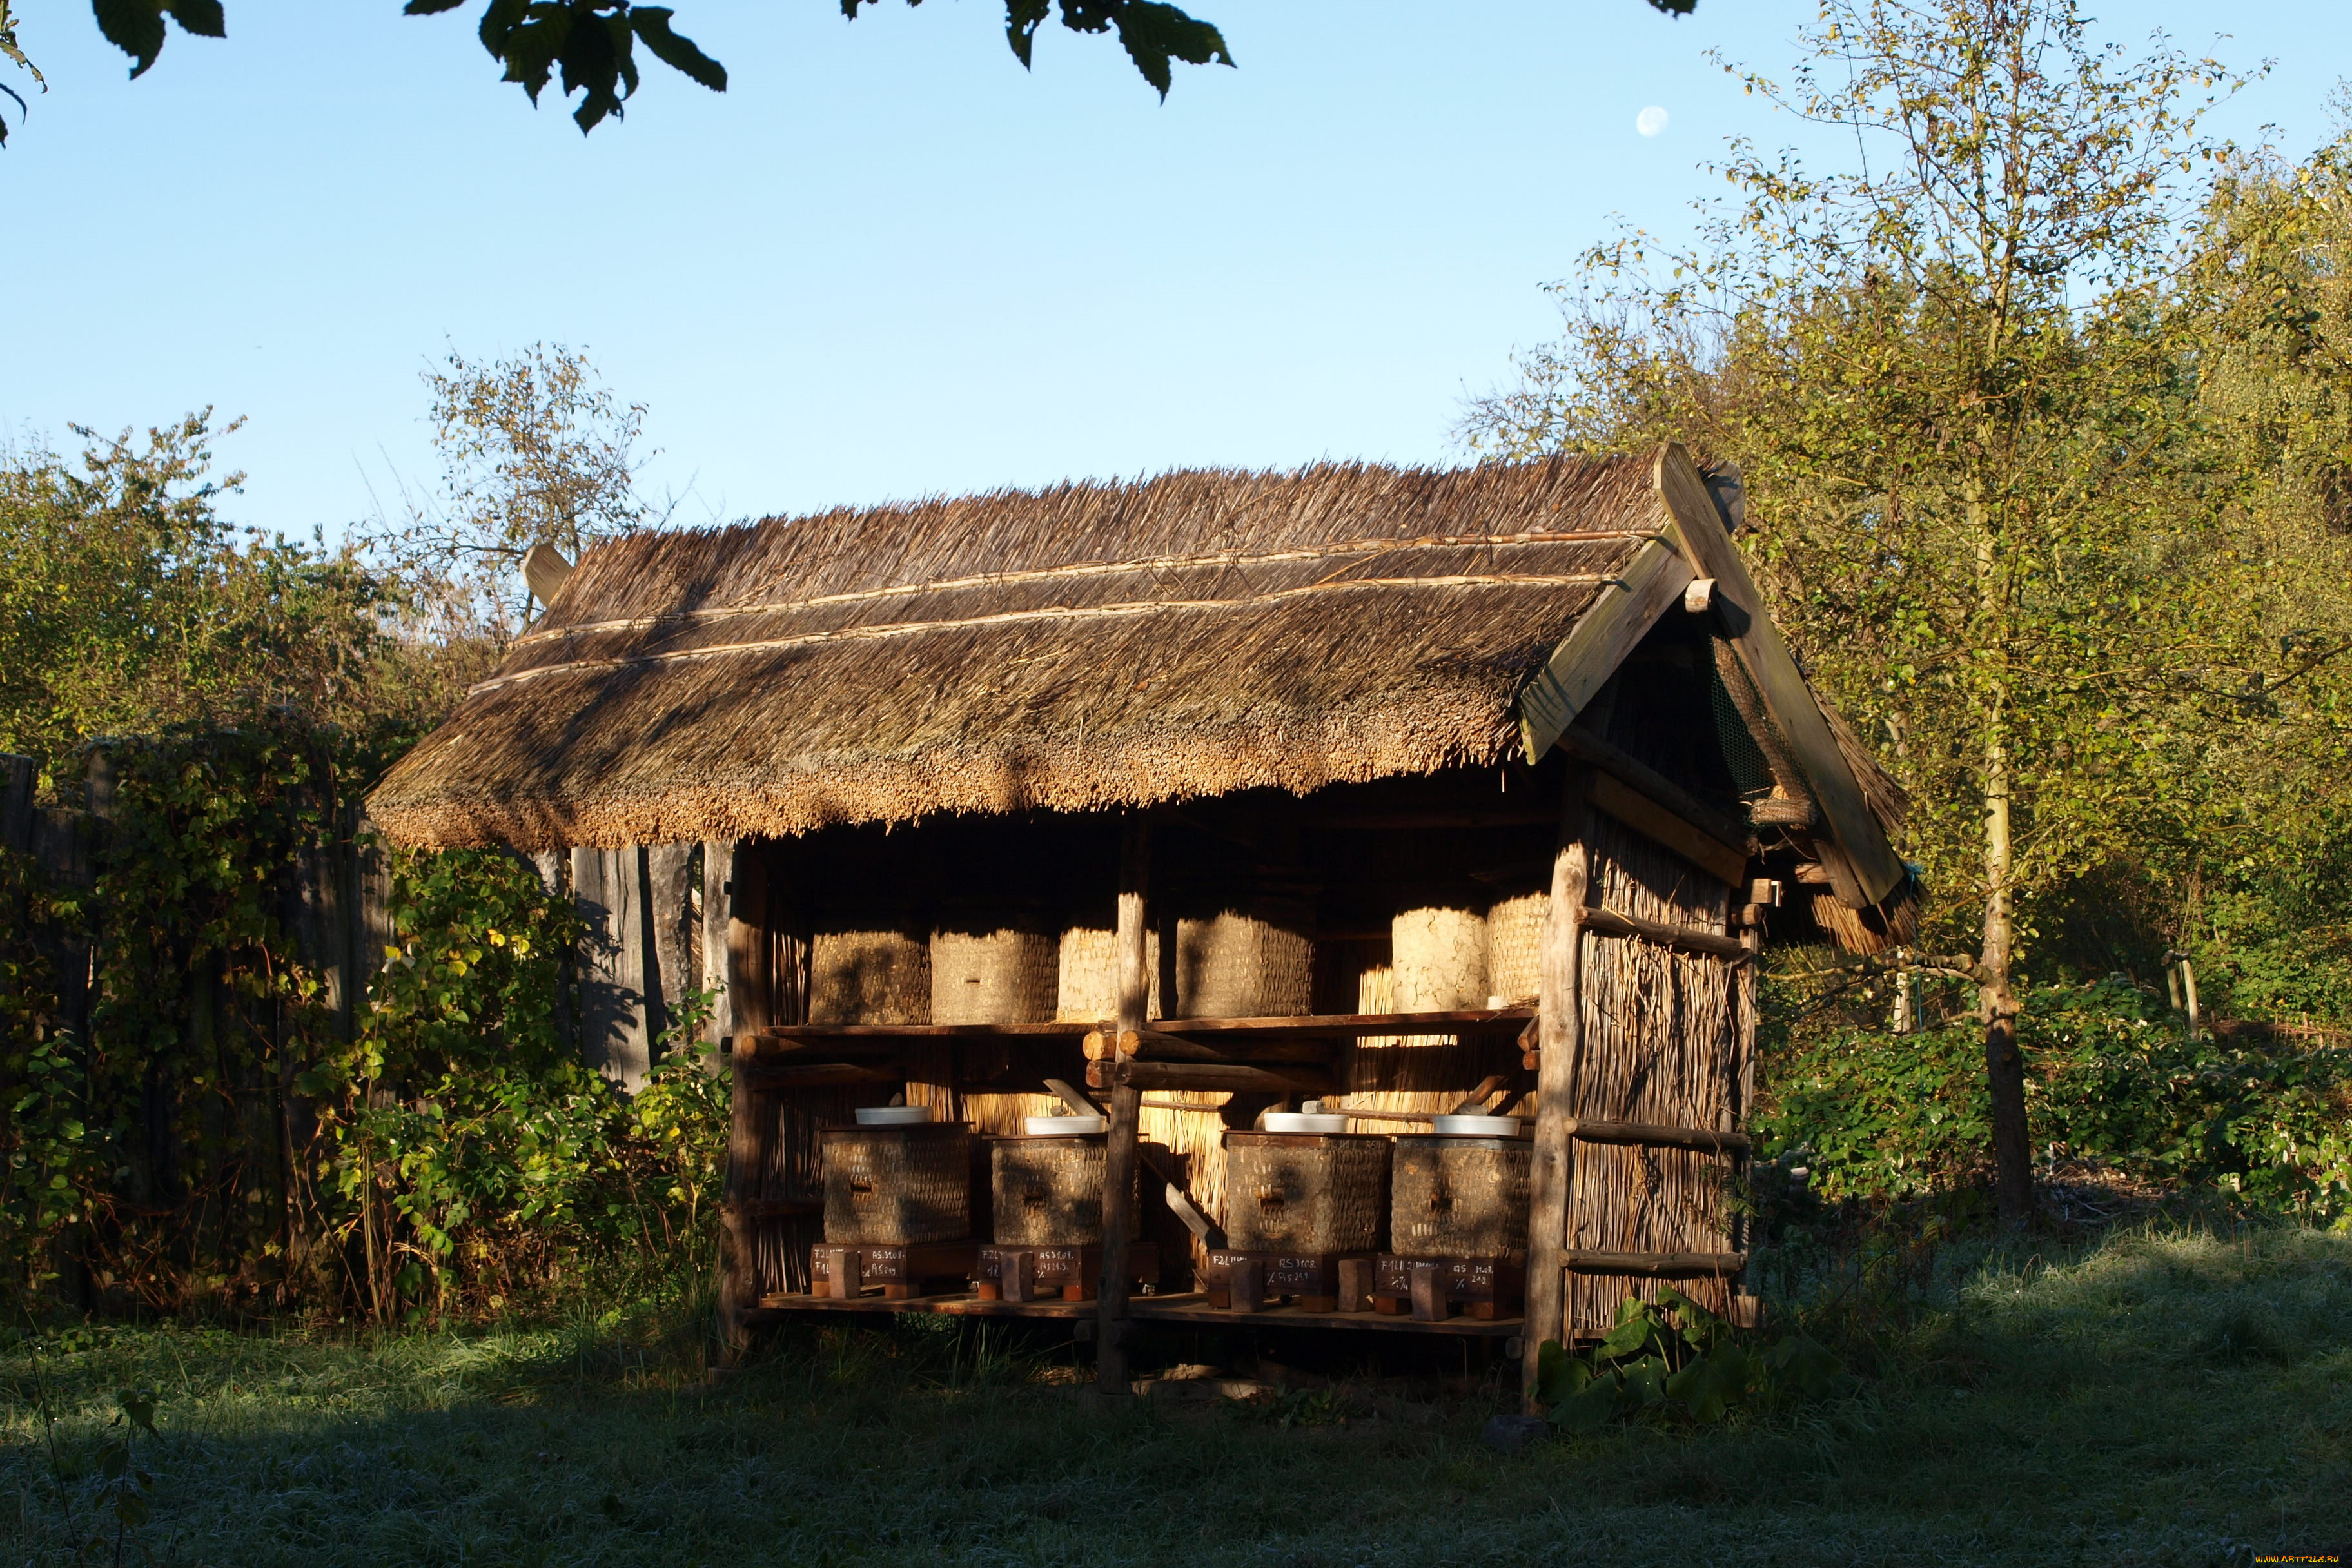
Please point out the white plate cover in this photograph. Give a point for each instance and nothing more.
(892, 1115)
(1480, 1126)
(1063, 1126)
(1304, 1121)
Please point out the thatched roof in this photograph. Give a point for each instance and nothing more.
(1085, 646)
(1082, 646)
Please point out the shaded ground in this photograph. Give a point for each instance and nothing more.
(2161, 1398)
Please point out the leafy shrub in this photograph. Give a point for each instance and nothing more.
(1675, 1360)
(2110, 1076)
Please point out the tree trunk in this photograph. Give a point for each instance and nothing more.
(2004, 1067)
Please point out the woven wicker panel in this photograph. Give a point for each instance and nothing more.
(1048, 1190)
(898, 1184)
(1307, 1193)
(1461, 1197)
(1002, 976)
(869, 977)
(1515, 946)
(1439, 959)
(1086, 989)
(1257, 963)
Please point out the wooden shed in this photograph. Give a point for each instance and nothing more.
(1406, 792)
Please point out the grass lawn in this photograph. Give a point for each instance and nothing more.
(2161, 1397)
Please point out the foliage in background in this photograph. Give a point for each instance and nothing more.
(226, 1138)
(464, 1108)
(534, 450)
(130, 605)
(2113, 1077)
(2036, 411)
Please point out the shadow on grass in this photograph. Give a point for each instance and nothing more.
(2162, 1398)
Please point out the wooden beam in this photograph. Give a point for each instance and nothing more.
(826, 1033)
(813, 1075)
(1561, 1023)
(1158, 1044)
(1626, 769)
(1126, 1109)
(1608, 922)
(1656, 823)
(1208, 1078)
(1700, 532)
(768, 1046)
(1654, 1265)
(1622, 613)
(1346, 1026)
(1654, 1134)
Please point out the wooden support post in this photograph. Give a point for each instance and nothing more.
(1126, 1109)
(734, 923)
(1562, 1025)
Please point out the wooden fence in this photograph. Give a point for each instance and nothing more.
(224, 1186)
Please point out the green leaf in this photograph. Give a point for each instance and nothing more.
(678, 53)
(202, 17)
(1591, 1407)
(134, 27)
(1626, 1338)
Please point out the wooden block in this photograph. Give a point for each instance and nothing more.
(1388, 1306)
(898, 1292)
(1486, 1311)
(1081, 1291)
(1316, 1303)
(1247, 1285)
(1428, 1293)
(1221, 1300)
(841, 1273)
(1016, 1279)
(1355, 1284)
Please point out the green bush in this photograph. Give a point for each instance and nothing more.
(2110, 1076)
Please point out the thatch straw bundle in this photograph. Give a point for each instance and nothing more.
(1085, 646)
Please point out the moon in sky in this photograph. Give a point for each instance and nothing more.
(1651, 121)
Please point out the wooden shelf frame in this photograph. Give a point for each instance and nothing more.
(1189, 1308)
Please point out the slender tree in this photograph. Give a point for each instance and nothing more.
(1951, 375)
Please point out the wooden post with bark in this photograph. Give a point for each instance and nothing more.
(1126, 1107)
(1560, 1030)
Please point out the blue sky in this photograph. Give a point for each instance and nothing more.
(887, 262)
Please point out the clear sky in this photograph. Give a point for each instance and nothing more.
(887, 262)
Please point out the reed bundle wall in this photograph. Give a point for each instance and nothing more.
(1663, 1043)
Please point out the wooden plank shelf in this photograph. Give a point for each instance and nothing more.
(1190, 1307)
(1332, 1025)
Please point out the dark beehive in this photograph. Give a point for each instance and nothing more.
(1460, 1198)
(897, 1185)
(1306, 1192)
(1048, 1190)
